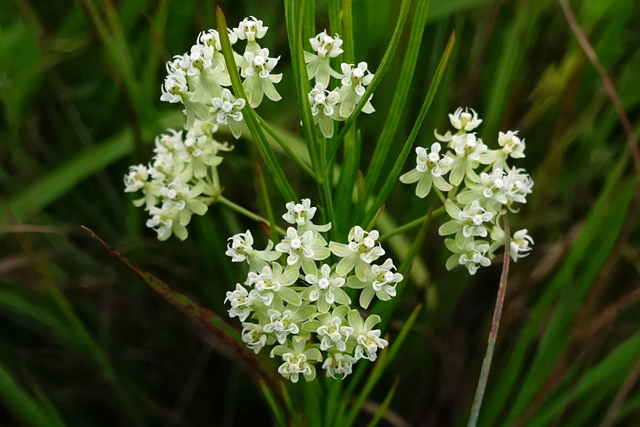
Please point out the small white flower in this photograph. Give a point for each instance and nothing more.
(322, 107)
(256, 70)
(165, 221)
(299, 213)
(318, 65)
(254, 336)
(241, 249)
(338, 365)
(326, 46)
(273, 281)
(359, 253)
(381, 282)
(468, 151)
(227, 110)
(240, 303)
(280, 324)
(368, 340)
(250, 29)
(334, 334)
(430, 166)
(297, 360)
(471, 254)
(302, 250)
(175, 87)
(470, 221)
(463, 120)
(325, 289)
(520, 242)
(511, 144)
(354, 82)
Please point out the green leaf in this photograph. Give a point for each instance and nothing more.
(39, 414)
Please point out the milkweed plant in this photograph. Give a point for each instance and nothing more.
(306, 294)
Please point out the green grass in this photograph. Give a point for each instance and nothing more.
(84, 341)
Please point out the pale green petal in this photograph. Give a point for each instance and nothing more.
(371, 321)
(321, 253)
(341, 296)
(270, 90)
(340, 249)
(289, 276)
(410, 177)
(366, 296)
(290, 296)
(354, 283)
(346, 264)
(355, 320)
(424, 186)
(326, 126)
(452, 261)
(180, 231)
(452, 209)
(362, 269)
(449, 227)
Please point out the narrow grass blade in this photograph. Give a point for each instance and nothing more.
(379, 369)
(271, 401)
(392, 178)
(347, 180)
(34, 412)
(385, 404)
(380, 72)
(400, 98)
(605, 377)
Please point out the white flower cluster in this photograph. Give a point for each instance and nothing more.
(181, 179)
(295, 299)
(337, 104)
(199, 78)
(474, 210)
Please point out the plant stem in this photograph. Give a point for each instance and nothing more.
(493, 334)
(243, 211)
(412, 224)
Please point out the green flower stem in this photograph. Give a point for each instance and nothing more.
(242, 211)
(412, 224)
(265, 150)
(493, 334)
(440, 195)
(298, 161)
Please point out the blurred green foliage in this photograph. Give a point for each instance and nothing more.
(84, 342)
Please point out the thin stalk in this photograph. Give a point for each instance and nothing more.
(412, 224)
(246, 212)
(298, 161)
(493, 334)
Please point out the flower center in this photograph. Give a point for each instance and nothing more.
(296, 243)
(324, 283)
